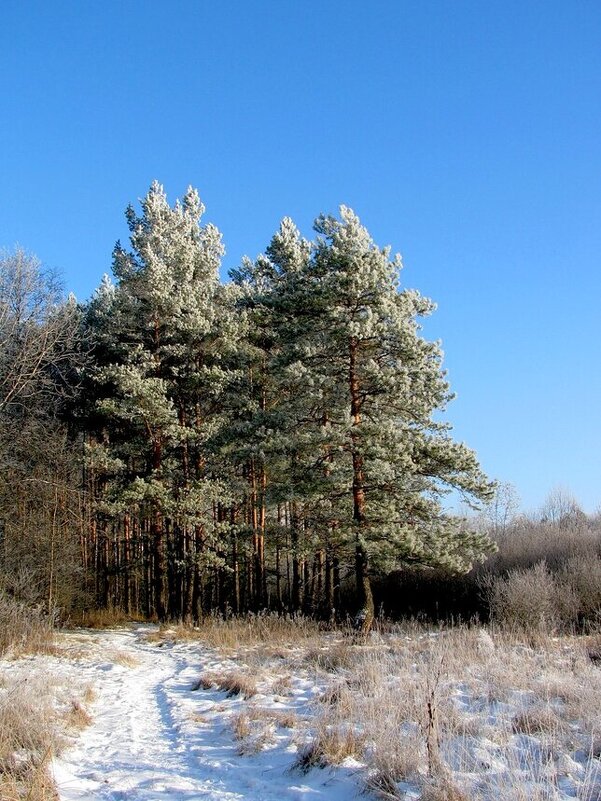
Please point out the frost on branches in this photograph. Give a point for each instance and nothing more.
(253, 444)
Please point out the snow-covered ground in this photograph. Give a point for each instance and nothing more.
(510, 721)
(154, 737)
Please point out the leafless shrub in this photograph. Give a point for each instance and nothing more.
(527, 542)
(582, 574)
(525, 599)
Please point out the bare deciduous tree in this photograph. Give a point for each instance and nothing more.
(40, 495)
(561, 508)
(37, 329)
(502, 509)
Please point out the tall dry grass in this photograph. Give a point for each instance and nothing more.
(24, 629)
(462, 714)
(250, 631)
(37, 720)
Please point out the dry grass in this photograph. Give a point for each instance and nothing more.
(123, 658)
(35, 724)
(78, 717)
(106, 619)
(235, 633)
(23, 629)
(382, 785)
(414, 707)
(537, 720)
(331, 657)
(241, 726)
(330, 746)
(232, 683)
(255, 727)
(282, 685)
(442, 789)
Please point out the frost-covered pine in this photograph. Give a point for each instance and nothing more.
(157, 373)
(372, 385)
(249, 441)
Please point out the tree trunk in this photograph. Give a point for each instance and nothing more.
(188, 576)
(158, 545)
(336, 580)
(296, 565)
(328, 601)
(365, 614)
(235, 565)
(278, 566)
(261, 579)
(126, 563)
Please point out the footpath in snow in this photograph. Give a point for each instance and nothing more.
(154, 737)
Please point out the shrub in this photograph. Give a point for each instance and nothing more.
(527, 599)
(582, 574)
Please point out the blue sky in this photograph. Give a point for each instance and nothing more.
(465, 134)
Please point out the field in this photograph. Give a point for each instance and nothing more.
(275, 709)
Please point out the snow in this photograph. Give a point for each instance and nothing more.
(159, 734)
(154, 738)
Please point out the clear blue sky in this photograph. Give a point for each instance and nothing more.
(465, 134)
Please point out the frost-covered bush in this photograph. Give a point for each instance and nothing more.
(532, 599)
(582, 575)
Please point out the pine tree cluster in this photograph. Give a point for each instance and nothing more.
(268, 443)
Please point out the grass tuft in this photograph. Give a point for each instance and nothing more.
(233, 683)
(331, 746)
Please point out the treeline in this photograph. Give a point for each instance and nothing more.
(185, 446)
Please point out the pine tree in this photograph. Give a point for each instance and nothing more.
(376, 383)
(158, 375)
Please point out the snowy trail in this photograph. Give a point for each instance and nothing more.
(155, 739)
